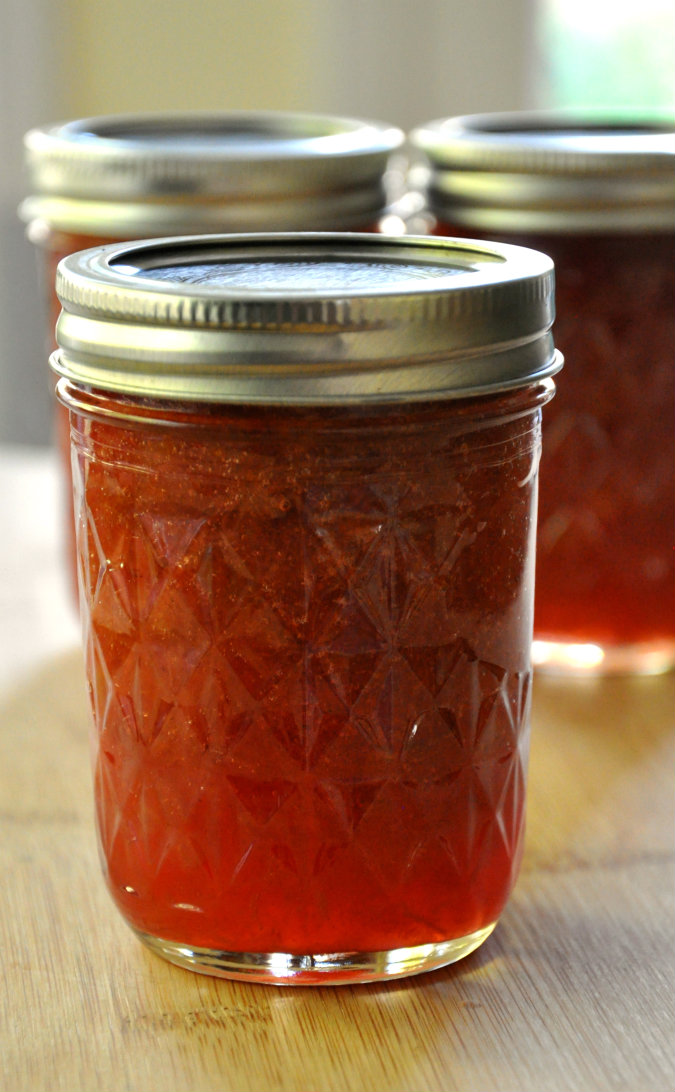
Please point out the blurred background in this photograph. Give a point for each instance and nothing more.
(402, 61)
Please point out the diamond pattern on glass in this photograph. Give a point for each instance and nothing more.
(287, 712)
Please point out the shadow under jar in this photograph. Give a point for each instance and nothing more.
(597, 195)
(305, 475)
(96, 180)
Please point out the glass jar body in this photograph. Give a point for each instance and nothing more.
(607, 497)
(307, 635)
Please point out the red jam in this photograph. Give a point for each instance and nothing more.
(607, 487)
(607, 502)
(307, 634)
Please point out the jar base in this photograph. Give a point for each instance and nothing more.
(333, 969)
(594, 659)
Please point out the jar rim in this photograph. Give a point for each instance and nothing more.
(559, 170)
(155, 173)
(311, 317)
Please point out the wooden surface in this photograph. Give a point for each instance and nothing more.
(572, 993)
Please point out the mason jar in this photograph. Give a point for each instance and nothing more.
(305, 473)
(597, 195)
(97, 180)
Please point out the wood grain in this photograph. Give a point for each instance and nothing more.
(572, 993)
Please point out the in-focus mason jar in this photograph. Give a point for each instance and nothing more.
(305, 477)
(598, 196)
(97, 180)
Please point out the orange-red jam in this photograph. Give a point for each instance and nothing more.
(607, 495)
(307, 639)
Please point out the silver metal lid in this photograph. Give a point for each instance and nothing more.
(550, 172)
(137, 175)
(311, 318)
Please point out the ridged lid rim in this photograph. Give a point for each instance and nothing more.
(157, 173)
(583, 170)
(583, 142)
(339, 317)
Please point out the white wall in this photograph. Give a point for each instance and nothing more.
(30, 82)
(409, 61)
(402, 60)
(126, 55)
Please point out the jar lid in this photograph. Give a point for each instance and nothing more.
(551, 172)
(136, 175)
(305, 318)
